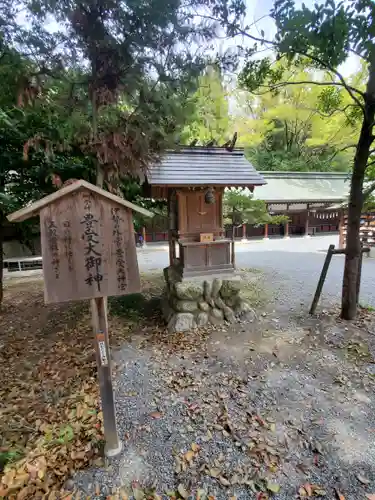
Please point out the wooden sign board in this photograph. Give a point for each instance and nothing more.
(88, 248)
(206, 237)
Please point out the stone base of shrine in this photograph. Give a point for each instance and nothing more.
(202, 300)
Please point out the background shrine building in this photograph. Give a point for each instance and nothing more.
(306, 197)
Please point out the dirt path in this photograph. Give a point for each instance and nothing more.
(283, 406)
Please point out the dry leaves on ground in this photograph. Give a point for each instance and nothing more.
(50, 418)
(50, 421)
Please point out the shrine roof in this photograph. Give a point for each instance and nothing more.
(202, 166)
(34, 208)
(284, 187)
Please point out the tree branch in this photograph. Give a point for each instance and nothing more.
(342, 149)
(307, 82)
(320, 62)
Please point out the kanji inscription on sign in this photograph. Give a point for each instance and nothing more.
(88, 248)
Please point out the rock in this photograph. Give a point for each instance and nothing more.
(207, 291)
(203, 306)
(185, 305)
(211, 302)
(202, 319)
(230, 288)
(171, 276)
(233, 300)
(244, 311)
(189, 290)
(182, 322)
(69, 485)
(219, 303)
(166, 309)
(229, 314)
(217, 313)
(216, 316)
(216, 286)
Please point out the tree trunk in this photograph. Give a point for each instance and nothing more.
(356, 199)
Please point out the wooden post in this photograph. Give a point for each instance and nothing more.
(144, 236)
(265, 236)
(233, 258)
(322, 278)
(113, 444)
(341, 230)
(286, 233)
(244, 232)
(307, 223)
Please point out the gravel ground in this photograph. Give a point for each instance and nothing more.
(283, 403)
(293, 267)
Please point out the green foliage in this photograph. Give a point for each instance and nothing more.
(125, 71)
(299, 127)
(209, 120)
(9, 456)
(239, 208)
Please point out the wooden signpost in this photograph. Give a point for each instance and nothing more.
(89, 252)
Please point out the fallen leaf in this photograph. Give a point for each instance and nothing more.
(171, 494)
(273, 487)
(320, 493)
(195, 447)
(305, 490)
(362, 479)
(339, 495)
(156, 415)
(370, 496)
(224, 481)
(213, 472)
(138, 493)
(189, 455)
(201, 494)
(235, 479)
(182, 491)
(317, 447)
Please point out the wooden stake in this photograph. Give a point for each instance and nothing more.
(113, 444)
(322, 278)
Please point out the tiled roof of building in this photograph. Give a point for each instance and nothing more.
(303, 186)
(203, 166)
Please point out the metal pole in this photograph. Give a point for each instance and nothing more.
(322, 278)
(113, 444)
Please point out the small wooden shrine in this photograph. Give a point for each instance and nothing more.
(193, 180)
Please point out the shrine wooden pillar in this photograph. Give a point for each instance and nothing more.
(286, 233)
(341, 229)
(265, 234)
(244, 232)
(307, 223)
(144, 236)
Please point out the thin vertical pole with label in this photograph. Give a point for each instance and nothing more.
(113, 444)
